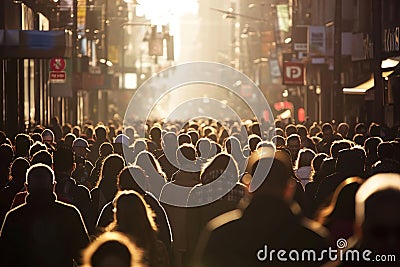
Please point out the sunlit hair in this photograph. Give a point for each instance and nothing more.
(317, 162)
(216, 166)
(134, 217)
(378, 182)
(110, 169)
(112, 245)
(304, 158)
(144, 158)
(338, 196)
(133, 178)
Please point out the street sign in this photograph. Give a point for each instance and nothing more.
(293, 73)
(94, 70)
(57, 76)
(57, 64)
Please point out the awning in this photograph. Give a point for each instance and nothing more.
(362, 88)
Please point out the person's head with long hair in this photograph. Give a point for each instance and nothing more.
(111, 167)
(149, 164)
(134, 217)
(18, 171)
(133, 178)
(222, 163)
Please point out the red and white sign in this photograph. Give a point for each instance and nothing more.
(57, 76)
(293, 73)
(57, 64)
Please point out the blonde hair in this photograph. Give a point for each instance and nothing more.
(134, 217)
(112, 244)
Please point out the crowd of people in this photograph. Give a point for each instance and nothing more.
(200, 193)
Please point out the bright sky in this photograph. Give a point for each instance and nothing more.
(162, 12)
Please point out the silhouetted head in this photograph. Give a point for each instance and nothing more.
(377, 216)
(40, 179)
(106, 149)
(342, 205)
(290, 129)
(64, 160)
(351, 162)
(169, 139)
(293, 143)
(112, 249)
(44, 157)
(22, 145)
(18, 171)
(36, 147)
(101, 133)
(184, 138)
(69, 139)
(194, 136)
(48, 136)
(360, 128)
(374, 129)
(133, 216)
(6, 155)
(339, 145)
(220, 164)
(317, 161)
(385, 150)
(253, 141)
(133, 178)
(186, 155)
(203, 147)
(36, 137)
(305, 158)
(110, 169)
(343, 129)
(302, 131)
(148, 163)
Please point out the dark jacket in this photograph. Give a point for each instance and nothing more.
(236, 238)
(70, 192)
(42, 232)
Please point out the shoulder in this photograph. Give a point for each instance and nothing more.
(82, 189)
(15, 213)
(66, 208)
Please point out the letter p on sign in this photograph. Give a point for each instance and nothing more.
(293, 73)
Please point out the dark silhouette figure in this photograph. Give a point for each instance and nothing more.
(339, 216)
(68, 190)
(134, 178)
(6, 157)
(22, 145)
(105, 149)
(32, 233)
(134, 218)
(239, 237)
(101, 137)
(17, 174)
(350, 162)
(106, 187)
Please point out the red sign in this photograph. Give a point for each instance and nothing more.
(293, 73)
(57, 76)
(57, 64)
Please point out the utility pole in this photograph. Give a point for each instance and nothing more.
(337, 95)
(379, 115)
(74, 102)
